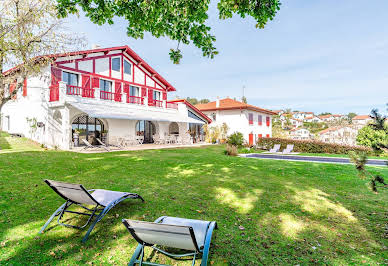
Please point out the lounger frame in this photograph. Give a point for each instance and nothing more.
(139, 252)
(98, 211)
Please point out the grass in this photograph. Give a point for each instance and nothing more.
(268, 212)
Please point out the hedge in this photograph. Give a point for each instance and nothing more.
(310, 146)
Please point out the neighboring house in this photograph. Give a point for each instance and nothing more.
(252, 121)
(313, 118)
(296, 122)
(326, 118)
(361, 120)
(300, 134)
(302, 115)
(341, 135)
(101, 93)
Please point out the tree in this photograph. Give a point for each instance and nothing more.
(195, 101)
(370, 137)
(184, 21)
(244, 99)
(325, 113)
(351, 116)
(28, 30)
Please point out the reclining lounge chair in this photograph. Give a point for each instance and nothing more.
(90, 146)
(192, 235)
(103, 201)
(275, 148)
(288, 149)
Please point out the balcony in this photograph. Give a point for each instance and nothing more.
(59, 93)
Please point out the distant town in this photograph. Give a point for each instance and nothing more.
(326, 127)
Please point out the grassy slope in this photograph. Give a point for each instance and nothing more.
(292, 212)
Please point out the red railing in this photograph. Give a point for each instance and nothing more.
(54, 93)
(107, 95)
(76, 90)
(171, 105)
(156, 103)
(135, 99)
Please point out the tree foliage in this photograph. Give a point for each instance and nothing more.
(184, 21)
(244, 99)
(29, 29)
(195, 101)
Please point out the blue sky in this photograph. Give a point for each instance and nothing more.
(314, 56)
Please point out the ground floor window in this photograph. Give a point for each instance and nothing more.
(145, 129)
(88, 128)
(196, 132)
(173, 128)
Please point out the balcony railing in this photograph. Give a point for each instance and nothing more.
(156, 103)
(79, 91)
(111, 96)
(171, 105)
(135, 99)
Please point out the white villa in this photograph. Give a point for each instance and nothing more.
(100, 93)
(300, 134)
(253, 122)
(361, 120)
(345, 135)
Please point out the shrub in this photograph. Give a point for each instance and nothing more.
(370, 137)
(231, 150)
(310, 146)
(236, 139)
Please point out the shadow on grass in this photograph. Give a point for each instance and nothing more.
(268, 212)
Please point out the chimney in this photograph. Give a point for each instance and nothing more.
(218, 102)
(95, 46)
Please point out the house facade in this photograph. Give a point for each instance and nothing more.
(345, 135)
(100, 93)
(361, 120)
(300, 134)
(253, 122)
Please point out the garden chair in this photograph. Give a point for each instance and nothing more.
(103, 144)
(191, 235)
(102, 201)
(289, 148)
(275, 148)
(90, 146)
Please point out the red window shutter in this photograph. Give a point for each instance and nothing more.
(25, 88)
(12, 87)
(250, 139)
(267, 136)
(260, 120)
(95, 82)
(143, 92)
(250, 119)
(165, 96)
(56, 75)
(126, 88)
(150, 97)
(118, 91)
(268, 120)
(86, 86)
(260, 136)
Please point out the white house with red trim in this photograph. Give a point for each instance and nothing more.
(97, 92)
(252, 121)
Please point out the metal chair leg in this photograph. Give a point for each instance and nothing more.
(205, 252)
(136, 255)
(56, 213)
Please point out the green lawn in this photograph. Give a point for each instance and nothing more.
(268, 212)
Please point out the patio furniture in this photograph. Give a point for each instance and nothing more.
(191, 235)
(179, 140)
(288, 149)
(275, 148)
(102, 200)
(103, 144)
(140, 139)
(90, 146)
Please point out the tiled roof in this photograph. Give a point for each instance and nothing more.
(230, 104)
(328, 130)
(361, 117)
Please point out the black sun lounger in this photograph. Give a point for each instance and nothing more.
(102, 201)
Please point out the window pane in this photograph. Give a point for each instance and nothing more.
(65, 77)
(116, 64)
(127, 67)
(73, 79)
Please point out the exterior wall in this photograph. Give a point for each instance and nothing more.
(300, 134)
(238, 120)
(344, 135)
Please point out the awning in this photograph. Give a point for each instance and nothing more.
(97, 110)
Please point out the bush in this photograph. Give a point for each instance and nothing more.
(367, 136)
(236, 139)
(231, 150)
(310, 146)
